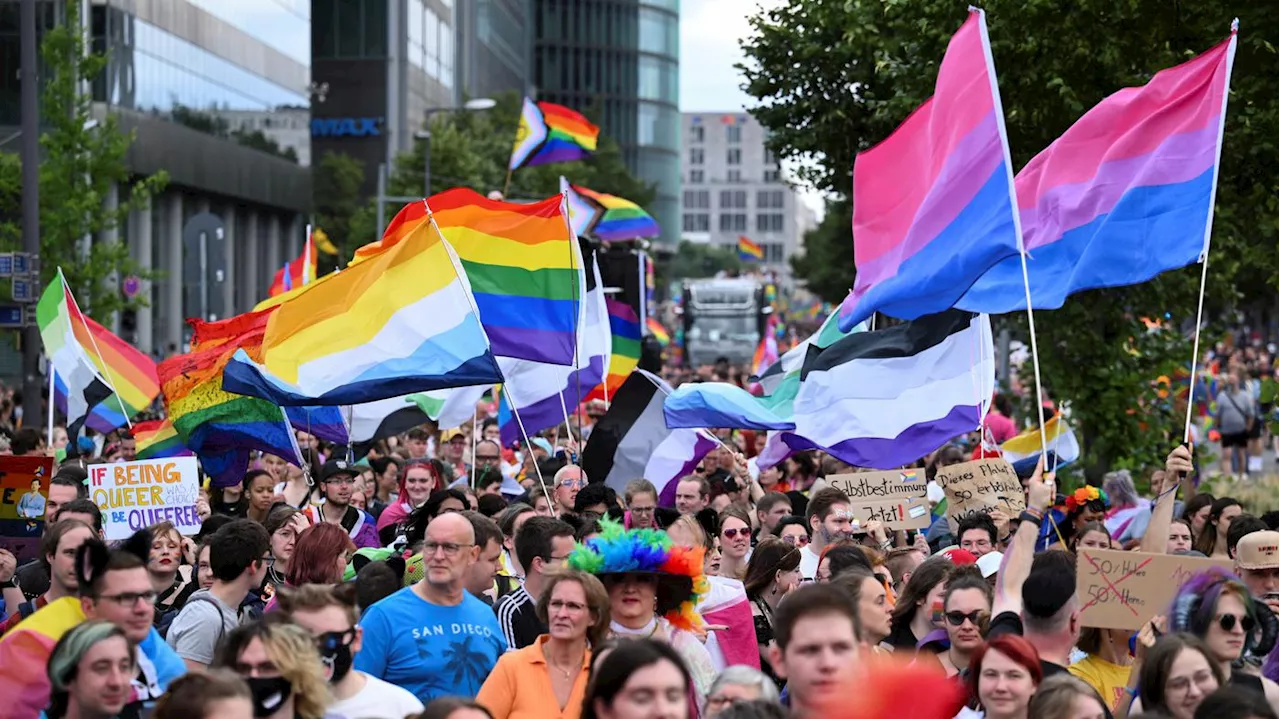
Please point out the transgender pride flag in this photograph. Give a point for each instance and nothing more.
(933, 204)
(1125, 194)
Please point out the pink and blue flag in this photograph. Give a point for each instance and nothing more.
(933, 205)
(1124, 194)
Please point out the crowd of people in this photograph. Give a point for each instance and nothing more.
(420, 582)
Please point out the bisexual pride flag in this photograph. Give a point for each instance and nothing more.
(933, 204)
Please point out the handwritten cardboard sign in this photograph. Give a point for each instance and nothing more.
(1122, 590)
(24, 490)
(896, 498)
(135, 495)
(978, 487)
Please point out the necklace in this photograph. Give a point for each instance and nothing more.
(567, 672)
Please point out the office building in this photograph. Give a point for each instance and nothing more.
(172, 68)
(733, 187)
(495, 47)
(617, 62)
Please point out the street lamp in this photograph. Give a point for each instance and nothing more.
(477, 104)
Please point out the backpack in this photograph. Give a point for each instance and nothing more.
(164, 621)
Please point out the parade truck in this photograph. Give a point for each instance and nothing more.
(723, 319)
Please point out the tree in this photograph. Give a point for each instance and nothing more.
(836, 77)
(82, 159)
(694, 260)
(336, 182)
(828, 253)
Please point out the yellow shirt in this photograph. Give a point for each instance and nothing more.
(519, 687)
(1108, 679)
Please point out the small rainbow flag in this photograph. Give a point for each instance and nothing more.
(749, 251)
(659, 332)
(624, 325)
(296, 273)
(158, 439)
(551, 133)
(616, 218)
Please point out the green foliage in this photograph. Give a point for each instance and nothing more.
(828, 254)
(834, 77)
(694, 260)
(78, 167)
(336, 181)
(1269, 394)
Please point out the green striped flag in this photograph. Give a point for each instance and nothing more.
(61, 327)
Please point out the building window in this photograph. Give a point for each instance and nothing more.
(769, 157)
(773, 252)
(733, 222)
(697, 223)
(696, 177)
(770, 176)
(733, 133)
(733, 176)
(696, 156)
(769, 199)
(733, 156)
(733, 199)
(697, 133)
(697, 199)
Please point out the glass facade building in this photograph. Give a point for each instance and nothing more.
(618, 62)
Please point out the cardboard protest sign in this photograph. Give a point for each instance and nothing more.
(978, 487)
(896, 498)
(24, 490)
(135, 495)
(1122, 590)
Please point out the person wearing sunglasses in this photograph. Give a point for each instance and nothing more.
(1217, 607)
(966, 610)
(568, 480)
(329, 612)
(793, 531)
(735, 542)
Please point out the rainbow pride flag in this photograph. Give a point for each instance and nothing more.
(659, 332)
(551, 133)
(624, 326)
(296, 273)
(608, 217)
(520, 260)
(749, 251)
(157, 439)
(129, 371)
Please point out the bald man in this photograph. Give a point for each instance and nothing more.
(567, 482)
(433, 638)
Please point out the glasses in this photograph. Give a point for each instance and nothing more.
(561, 605)
(642, 510)
(129, 599)
(573, 483)
(450, 549)
(341, 480)
(269, 561)
(1228, 622)
(957, 619)
(800, 541)
(720, 702)
(732, 533)
(487, 458)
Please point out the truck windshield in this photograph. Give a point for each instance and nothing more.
(716, 329)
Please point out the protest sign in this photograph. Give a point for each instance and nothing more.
(978, 487)
(135, 495)
(1122, 590)
(24, 490)
(896, 498)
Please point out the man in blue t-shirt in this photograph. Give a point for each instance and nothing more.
(434, 638)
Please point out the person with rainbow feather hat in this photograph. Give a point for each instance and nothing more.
(654, 587)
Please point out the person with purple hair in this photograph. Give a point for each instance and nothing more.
(1217, 607)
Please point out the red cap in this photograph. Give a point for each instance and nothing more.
(959, 557)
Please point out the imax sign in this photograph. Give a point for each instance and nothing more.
(346, 127)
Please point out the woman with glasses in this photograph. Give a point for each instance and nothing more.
(1176, 673)
(549, 677)
(738, 685)
(1216, 607)
(774, 570)
(1004, 674)
(735, 542)
(280, 663)
(283, 525)
(641, 498)
(966, 607)
(794, 531)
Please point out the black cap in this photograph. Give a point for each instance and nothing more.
(335, 467)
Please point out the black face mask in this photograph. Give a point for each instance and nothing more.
(269, 694)
(335, 652)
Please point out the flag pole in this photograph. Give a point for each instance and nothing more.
(528, 446)
(105, 367)
(1208, 231)
(712, 435)
(474, 431)
(53, 375)
(297, 451)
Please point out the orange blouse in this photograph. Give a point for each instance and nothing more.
(519, 687)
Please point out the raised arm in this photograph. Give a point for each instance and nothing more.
(1176, 466)
(1016, 564)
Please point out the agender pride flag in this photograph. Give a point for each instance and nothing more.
(933, 204)
(1124, 194)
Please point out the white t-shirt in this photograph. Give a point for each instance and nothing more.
(377, 699)
(808, 562)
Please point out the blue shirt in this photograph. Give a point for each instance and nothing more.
(430, 650)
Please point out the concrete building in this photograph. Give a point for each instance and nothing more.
(170, 67)
(733, 187)
(617, 62)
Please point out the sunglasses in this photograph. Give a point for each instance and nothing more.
(731, 533)
(799, 541)
(957, 619)
(1228, 622)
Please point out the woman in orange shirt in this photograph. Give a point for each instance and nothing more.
(549, 677)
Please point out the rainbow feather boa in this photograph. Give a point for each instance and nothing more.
(618, 551)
